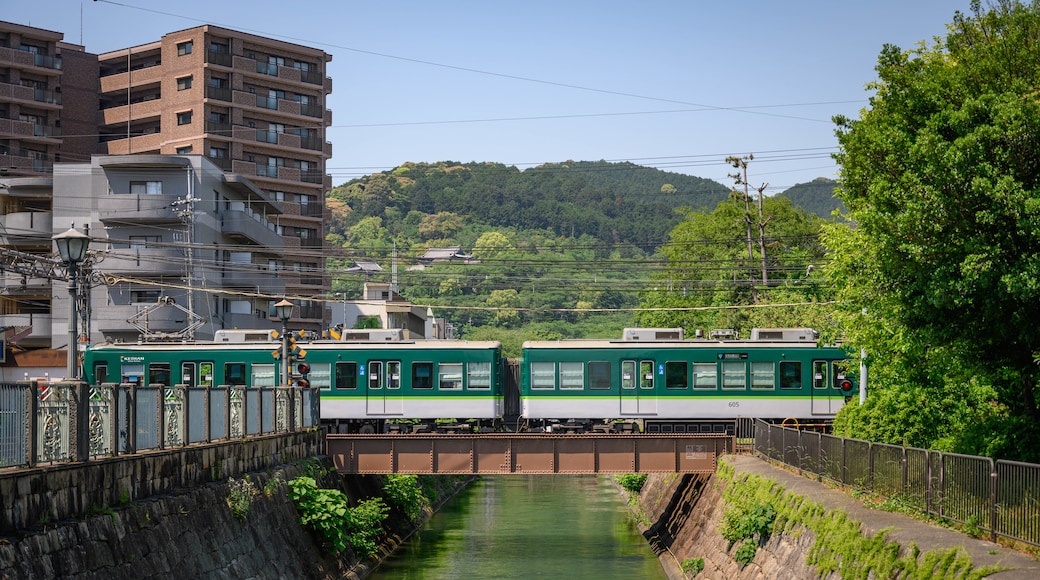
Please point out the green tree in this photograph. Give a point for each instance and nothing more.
(941, 177)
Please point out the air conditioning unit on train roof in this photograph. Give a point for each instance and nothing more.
(652, 334)
(374, 335)
(785, 334)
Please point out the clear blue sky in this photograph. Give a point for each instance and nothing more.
(678, 84)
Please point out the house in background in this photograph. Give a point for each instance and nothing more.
(381, 303)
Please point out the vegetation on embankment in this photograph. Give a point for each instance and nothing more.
(748, 526)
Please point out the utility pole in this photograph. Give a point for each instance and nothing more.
(185, 209)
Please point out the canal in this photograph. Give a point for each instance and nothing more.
(528, 527)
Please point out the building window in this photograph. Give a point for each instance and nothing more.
(218, 152)
(184, 83)
(184, 118)
(144, 296)
(184, 150)
(146, 187)
(143, 242)
(183, 48)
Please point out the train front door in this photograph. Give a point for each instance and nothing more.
(383, 388)
(637, 387)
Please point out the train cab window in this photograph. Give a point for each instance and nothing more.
(263, 375)
(159, 374)
(821, 374)
(346, 375)
(206, 374)
(572, 375)
(705, 376)
(646, 374)
(449, 376)
(676, 374)
(734, 375)
(763, 375)
(790, 375)
(628, 374)
(422, 375)
(235, 373)
(100, 373)
(543, 375)
(599, 375)
(479, 375)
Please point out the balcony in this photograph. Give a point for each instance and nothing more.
(219, 93)
(24, 160)
(137, 208)
(39, 322)
(23, 228)
(261, 281)
(144, 261)
(24, 59)
(219, 128)
(244, 224)
(219, 57)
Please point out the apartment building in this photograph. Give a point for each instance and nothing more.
(85, 139)
(253, 105)
(48, 100)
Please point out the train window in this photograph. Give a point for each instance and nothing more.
(543, 375)
(375, 373)
(646, 374)
(572, 375)
(820, 374)
(449, 376)
(159, 374)
(479, 375)
(676, 374)
(263, 375)
(188, 374)
(628, 374)
(319, 376)
(346, 375)
(763, 375)
(790, 375)
(705, 376)
(393, 374)
(734, 375)
(422, 375)
(206, 374)
(599, 375)
(100, 373)
(235, 373)
(131, 373)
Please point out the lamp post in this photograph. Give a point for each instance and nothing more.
(72, 247)
(283, 310)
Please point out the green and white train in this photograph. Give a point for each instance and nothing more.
(652, 380)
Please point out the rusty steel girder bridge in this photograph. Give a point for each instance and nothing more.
(527, 453)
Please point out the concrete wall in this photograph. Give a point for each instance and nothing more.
(32, 498)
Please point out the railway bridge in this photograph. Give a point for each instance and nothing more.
(527, 453)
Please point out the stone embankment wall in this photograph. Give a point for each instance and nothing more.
(685, 514)
(161, 516)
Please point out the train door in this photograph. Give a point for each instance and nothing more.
(826, 399)
(637, 387)
(383, 391)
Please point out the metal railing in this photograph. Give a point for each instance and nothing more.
(999, 497)
(72, 421)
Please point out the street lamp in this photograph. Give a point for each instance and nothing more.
(283, 310)
(72, 247)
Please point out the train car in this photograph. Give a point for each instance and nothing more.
(365, 386)
(655, 381)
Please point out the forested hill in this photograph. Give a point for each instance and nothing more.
(616, 203)
(816, 197)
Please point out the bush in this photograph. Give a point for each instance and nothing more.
(240, 496)
(404, 492)
(632, 482)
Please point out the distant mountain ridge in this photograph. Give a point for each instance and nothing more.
(816, 197)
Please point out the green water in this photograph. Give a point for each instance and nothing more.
(528, 527)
